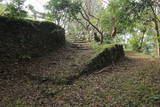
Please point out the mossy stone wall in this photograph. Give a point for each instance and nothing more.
(105, 58)
(25, 38)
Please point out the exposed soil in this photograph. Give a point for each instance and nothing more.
(36, 84)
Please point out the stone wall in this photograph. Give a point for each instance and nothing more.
(105, 58)
(25, 38)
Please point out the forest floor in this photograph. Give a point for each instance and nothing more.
(132, 82)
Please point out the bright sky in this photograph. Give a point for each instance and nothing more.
(38, 4)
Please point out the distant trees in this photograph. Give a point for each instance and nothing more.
(14, 9)
(148, 13)
(72, 10)
(31, 8)
(139, 18)
(2, 9)
(62, 10)
(129, 16)
(119, 17)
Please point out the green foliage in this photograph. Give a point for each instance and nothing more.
(130, 16)
(12, 11)
(59, 9)
(117, 14)
(31, 8)
(135, 43)
(105, 21)
(108, 39)
(15, 9)
(2, 8)
(147, 45)
(51, 91)
(18, 3)
(25, 57)
(16, 102)
(100, 47)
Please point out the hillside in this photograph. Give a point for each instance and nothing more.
(80, 53)
(134, 81)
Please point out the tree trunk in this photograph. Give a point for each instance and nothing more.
(114, 32)
(158, 48)
(141, 40)
(102, 37)
(96, 28)
(158, 37)
(156, 20)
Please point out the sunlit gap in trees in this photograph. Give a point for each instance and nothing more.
(37, 4)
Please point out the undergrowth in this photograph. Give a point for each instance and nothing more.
(100, 47)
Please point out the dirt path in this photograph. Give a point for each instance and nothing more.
(33, 84)
(31, 81)
(133, 82)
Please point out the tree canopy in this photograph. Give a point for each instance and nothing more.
(14, 9)
(112, 19)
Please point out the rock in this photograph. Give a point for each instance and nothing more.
(105, 58)
(28, 38)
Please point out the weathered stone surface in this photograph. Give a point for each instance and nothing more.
(105, 58)
(20, 38)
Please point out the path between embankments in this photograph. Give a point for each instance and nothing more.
(17, 84)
